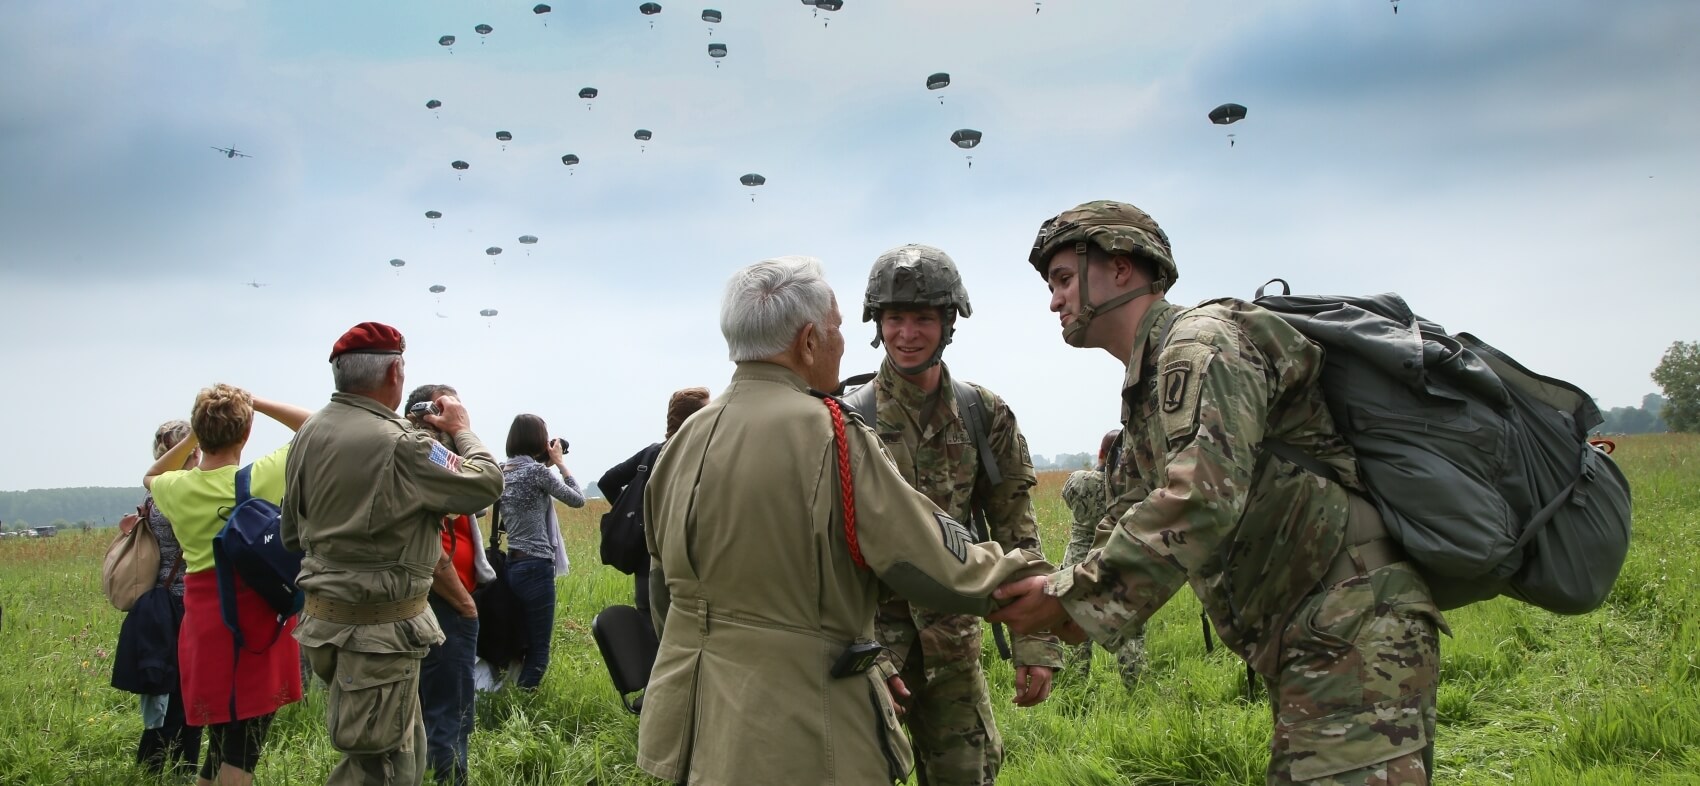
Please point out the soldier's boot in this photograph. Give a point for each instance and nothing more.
(1131, 660)
(1078, 663)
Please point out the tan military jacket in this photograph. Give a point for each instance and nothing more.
(1198, 500)
(364, 496)
(745, 517)
(927, 437)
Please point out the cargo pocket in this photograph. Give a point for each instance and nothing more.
(1354, 739)
(899, 759)
(375, 702)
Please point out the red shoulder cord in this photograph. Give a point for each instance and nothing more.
(845, 488)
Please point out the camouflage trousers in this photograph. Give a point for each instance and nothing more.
(373, 716)
(1354, 699)
(1130, 657)
(949, 712)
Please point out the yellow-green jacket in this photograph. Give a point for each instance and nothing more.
(745, 518)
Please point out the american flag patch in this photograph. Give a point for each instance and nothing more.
(443, 457)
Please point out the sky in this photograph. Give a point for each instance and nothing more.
(1524, 171)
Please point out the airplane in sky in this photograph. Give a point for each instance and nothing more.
(254, 284)
(230, 152)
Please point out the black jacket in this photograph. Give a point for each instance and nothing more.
(622, 526)
(145, 661)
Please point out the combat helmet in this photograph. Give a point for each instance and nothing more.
(1114, 228)
(916, 275)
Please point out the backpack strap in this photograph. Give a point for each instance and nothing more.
(243, 476)
(862, 401)
(972, 407)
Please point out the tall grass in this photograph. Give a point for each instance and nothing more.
(1611, 697)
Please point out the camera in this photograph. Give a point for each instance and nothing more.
(562, 443)
(424, 408)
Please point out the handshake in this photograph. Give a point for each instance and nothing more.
(1026, 607)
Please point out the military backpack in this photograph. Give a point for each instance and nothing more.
(1481, 468)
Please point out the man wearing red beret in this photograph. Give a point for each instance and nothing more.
(364, 496)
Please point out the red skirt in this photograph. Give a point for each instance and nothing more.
(207, 657)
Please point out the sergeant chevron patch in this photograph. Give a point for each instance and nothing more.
(955, 536)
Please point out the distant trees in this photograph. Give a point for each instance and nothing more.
(1679, 375)
(1068, 461)
(1635, 420)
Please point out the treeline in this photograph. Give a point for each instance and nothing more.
(96, 505)
(1644, 419)
(1069, 461)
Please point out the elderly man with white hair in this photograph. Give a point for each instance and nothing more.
(777, 522)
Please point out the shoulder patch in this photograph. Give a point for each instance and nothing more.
(955, 536)
(1179, 386)
(1176, 376)
(443, 457)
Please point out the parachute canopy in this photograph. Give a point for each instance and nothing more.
(965, 138)
(528, 239)
(398, 263)
(433, 104)
(504, 136)
(483, 29)
(489, 312)
(828, 5)
(711, 16)
(460, 165)
(1227, 114)
(541, 8)
(649, 9)
(569, 159)
(432, 214)
(493, 250)
(438, 289)
(716, 50)
(938, 81)
(588, 92)
(752, 179)
(642, 135)
(447, 40)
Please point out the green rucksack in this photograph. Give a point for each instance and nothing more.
(1481, 468)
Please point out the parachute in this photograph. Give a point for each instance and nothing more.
(967, 139)
(460, 166)
(587, 93)
(528, 239)
(493, 251)
(569, 160)
(433, 104)
(489, 312)
(827, 5)
(753, 180)
(483, 30)
(1227, 114)
(503, 136)
(641, 135)
(541, 9)
(448, 41)
(717, 51)
(650, 9)
(438, 289)
(398, 263)
(938, 81)
(433, 215)
(712, 17)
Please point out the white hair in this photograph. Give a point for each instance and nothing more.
(768, 302)
(358, 372)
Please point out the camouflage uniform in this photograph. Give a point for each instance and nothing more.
(950, 712)
(1277, 555)
(1088, 500)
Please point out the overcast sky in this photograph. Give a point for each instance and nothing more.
(1523, 171)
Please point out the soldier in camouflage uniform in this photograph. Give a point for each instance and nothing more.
(914, 296)
(1089, 500)
(1294, 570)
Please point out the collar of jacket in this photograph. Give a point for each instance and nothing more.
(1143, 353)
(763, 371)
(909, 395)
(367, 403)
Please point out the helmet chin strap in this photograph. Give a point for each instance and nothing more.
(1074, 333)
(938, 354)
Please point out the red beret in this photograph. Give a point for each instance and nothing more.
(371, 338)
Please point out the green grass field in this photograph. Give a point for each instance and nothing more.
(1612, 697)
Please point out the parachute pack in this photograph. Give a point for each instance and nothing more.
(1481, 468)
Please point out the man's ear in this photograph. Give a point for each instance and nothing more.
(1122, 270)
(807, 340)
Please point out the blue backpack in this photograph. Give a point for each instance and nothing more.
(250, 547)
